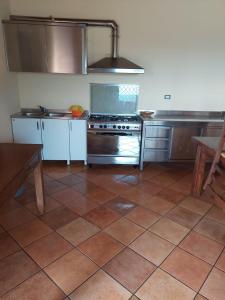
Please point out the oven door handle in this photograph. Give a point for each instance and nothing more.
(111, 133)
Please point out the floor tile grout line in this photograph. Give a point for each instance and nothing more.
(215, 221)
(193, 254)
(100, 267)
(222, 253)
(171, 274)
(139, 204)
(84, 195)
(11, 289)
(43, 269)
(191, 229)
(51, 261)
(18, 250)
(166, 238)
(77, 248)
(23, 246)
(155, 268)
(199, 220)
(214, 267)
(150, 226)
(205, 234)
(180, 281)
(206, 278)
(159, 267)
(211, 267)
(26, 222)
(53, 231)
(156, 221)
(125, 216)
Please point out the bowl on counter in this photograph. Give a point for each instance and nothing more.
(147, 114)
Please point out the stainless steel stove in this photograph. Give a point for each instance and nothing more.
(114, 138)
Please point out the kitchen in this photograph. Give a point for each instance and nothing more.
(181, 48)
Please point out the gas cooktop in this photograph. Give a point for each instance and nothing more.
(113, 118)
(114, 122)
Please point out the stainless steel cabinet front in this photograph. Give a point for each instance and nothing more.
(156, 143)
(182, 146)
(157, 131)
(156, 155)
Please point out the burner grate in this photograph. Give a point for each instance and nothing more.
(113, 118)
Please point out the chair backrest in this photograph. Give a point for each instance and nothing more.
(216, 157)
(220, 145)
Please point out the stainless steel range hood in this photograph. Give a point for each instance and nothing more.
(113, 64)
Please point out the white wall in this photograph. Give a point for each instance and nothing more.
(181, 44)
(9, 101)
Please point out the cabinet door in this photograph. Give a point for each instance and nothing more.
(55, 138)
(25, 44)
(46, 48)
(182, 146)
(26, 131)
(78, 140)
(66, 49)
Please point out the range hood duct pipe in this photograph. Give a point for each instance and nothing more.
(88, 22)
(113, 64)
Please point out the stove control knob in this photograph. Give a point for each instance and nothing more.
(119, 127)
(114, 126)
(123, 127)
(100, 126)
(128, 127)
(105, 126)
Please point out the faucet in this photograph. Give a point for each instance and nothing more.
(43, 109)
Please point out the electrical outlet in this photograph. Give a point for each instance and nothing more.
(167, 97)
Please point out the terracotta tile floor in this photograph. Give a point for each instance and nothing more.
(112, 232)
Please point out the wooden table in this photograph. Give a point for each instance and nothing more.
(206, 150)
(17, 161)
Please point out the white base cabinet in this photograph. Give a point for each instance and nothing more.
(61, 139)
(26, 131)
(78, 140)
(55, 138)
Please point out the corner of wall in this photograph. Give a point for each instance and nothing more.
(9, 93)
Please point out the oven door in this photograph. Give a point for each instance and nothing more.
(113, 147)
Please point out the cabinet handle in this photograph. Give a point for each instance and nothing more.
(71, 126)
(37, 125)
(43, 126)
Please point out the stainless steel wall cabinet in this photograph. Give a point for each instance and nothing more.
(46, 47)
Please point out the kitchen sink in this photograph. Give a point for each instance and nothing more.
(55, 115)
(33, 114)
(39, 114)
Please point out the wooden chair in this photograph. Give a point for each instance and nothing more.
(215, 180)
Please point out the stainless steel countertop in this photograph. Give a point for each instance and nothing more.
(185, 116)
(182, 119)
(67, 115)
